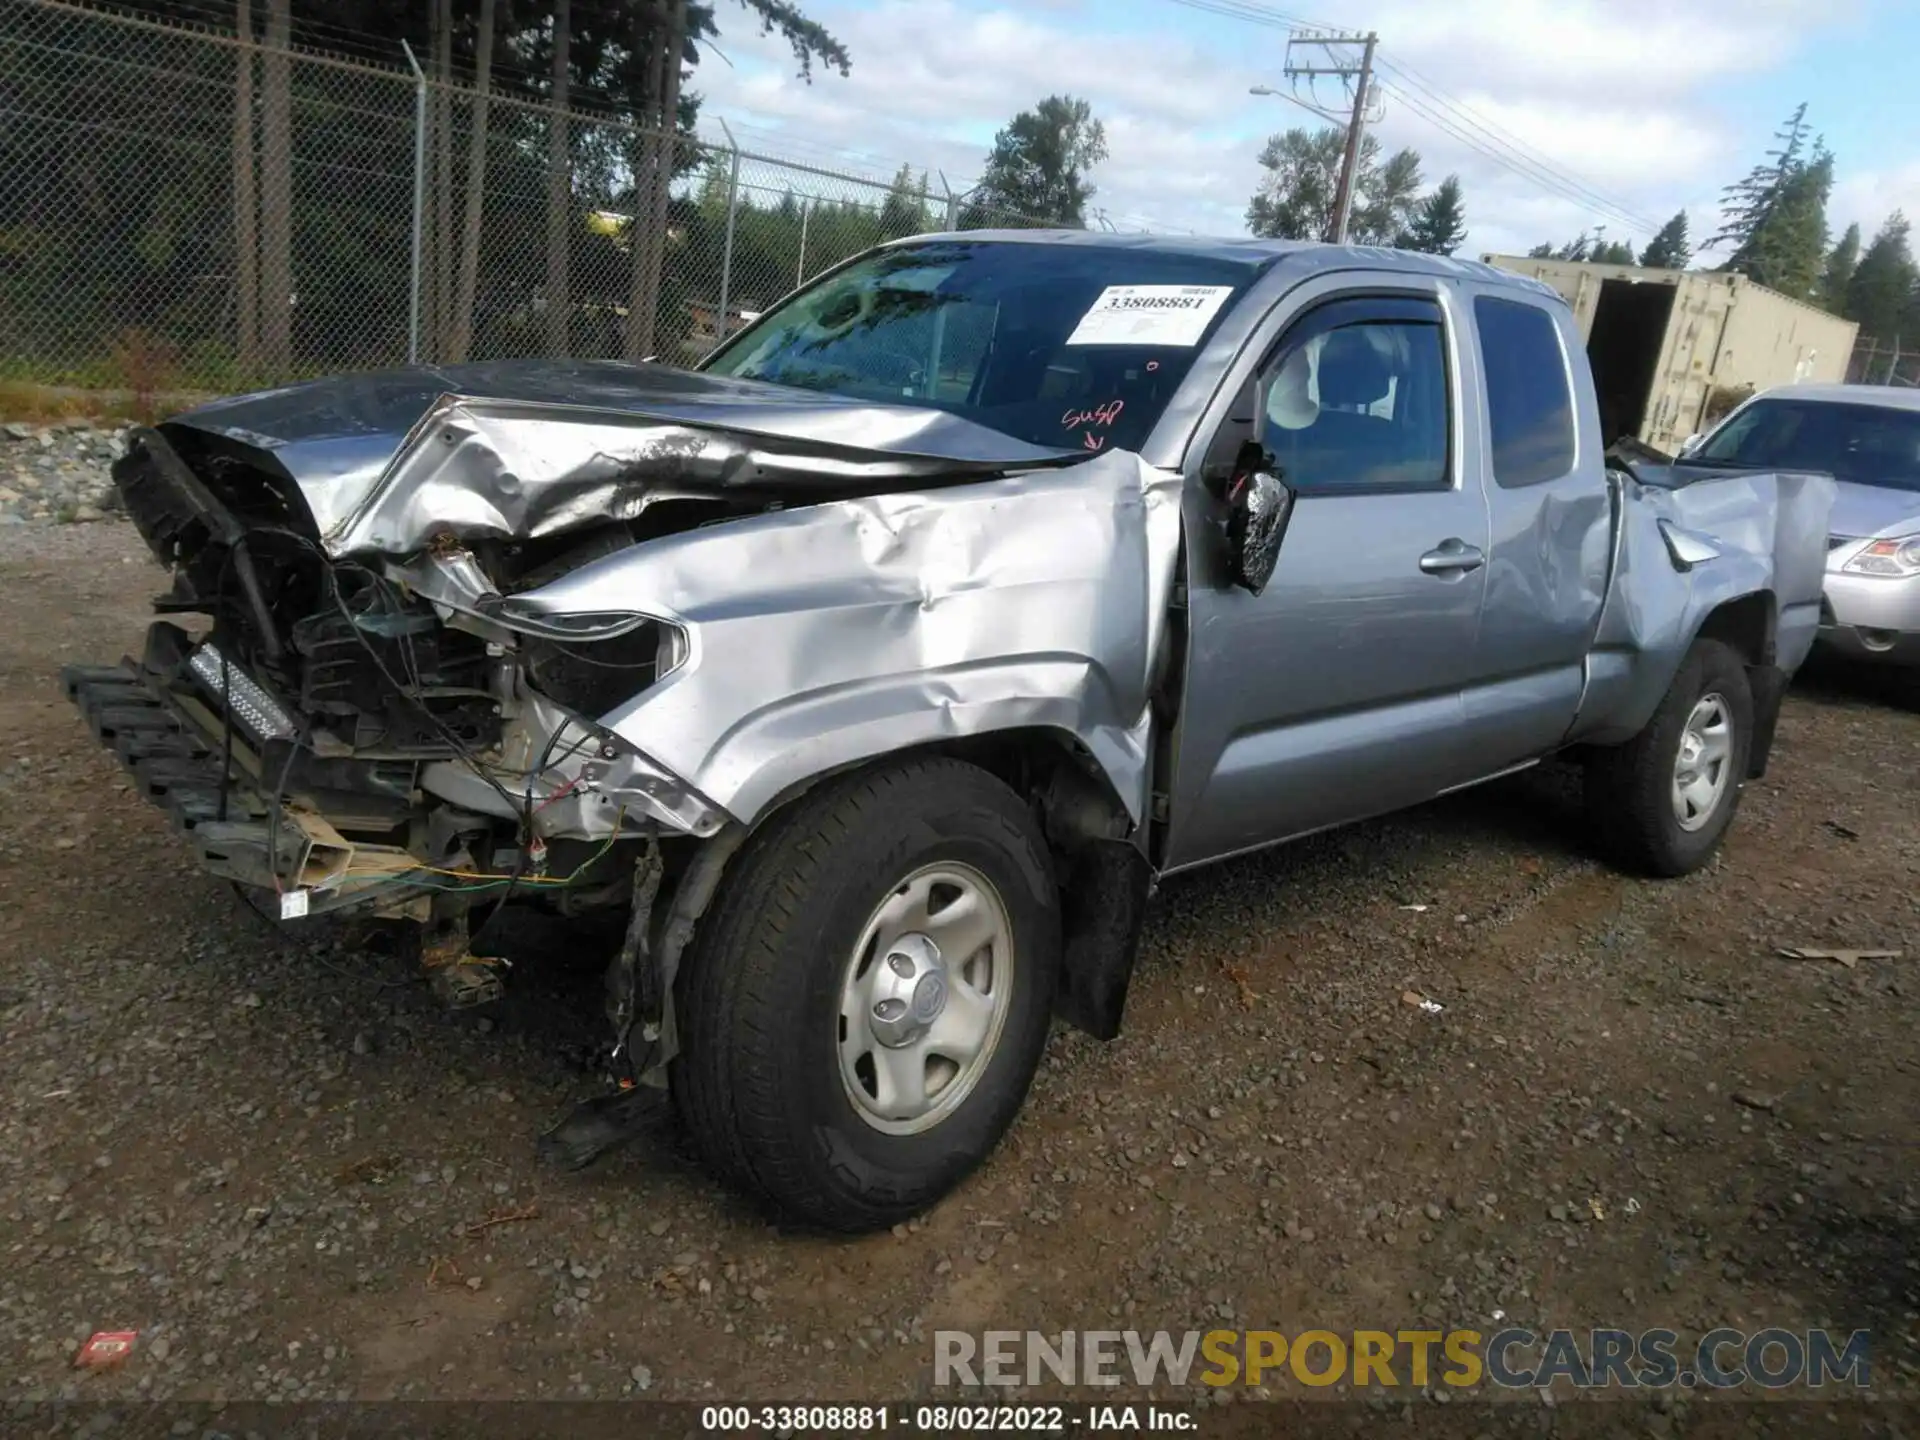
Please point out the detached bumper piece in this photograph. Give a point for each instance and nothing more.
(170, 765)
(170, 741)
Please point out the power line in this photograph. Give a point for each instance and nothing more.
(1472, 119)
(1253, 14)
(1546, 179)
(1452, 117)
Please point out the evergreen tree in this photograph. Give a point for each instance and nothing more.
(1746, 205)
(905, 209)
(1440, 224)
(1776, 218)
(1793, 248)
(1618, 252)
(1668, 248)
(1881, 294)
(1842, 260)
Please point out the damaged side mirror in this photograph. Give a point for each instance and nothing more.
(1258, 507)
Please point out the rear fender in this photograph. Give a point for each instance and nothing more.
(1740, 559)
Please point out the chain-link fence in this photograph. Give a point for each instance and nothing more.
(1884, 362)
(189, 209)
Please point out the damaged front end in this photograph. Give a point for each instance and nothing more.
(512, 651)
(321, 730)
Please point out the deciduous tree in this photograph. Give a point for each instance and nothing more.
(1037, 173)
(1295, 198)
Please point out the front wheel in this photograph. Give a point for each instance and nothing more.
(1662, 801)
(864, 1009)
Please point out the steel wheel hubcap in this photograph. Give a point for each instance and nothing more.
(1704, 765)
(924, 998)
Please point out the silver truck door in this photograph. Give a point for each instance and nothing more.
(1336, 693)
(1552, 526)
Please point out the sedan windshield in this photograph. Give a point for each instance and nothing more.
(1864, 444)
(1076, 346)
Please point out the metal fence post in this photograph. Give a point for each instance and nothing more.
(419, 203)
(953, 203)
(733, 212)
(800, 270)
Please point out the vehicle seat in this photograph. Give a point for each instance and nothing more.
(1346, 444)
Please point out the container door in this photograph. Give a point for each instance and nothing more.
(1683, 379)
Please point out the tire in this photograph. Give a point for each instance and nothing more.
(764, 1080)
(1630, 789)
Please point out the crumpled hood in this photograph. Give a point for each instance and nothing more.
(1863, 510)
(388, 460)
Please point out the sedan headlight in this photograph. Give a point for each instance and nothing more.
(1892, 559)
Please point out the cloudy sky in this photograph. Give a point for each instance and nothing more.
(1652, 105)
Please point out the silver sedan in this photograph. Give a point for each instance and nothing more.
(1868, 438)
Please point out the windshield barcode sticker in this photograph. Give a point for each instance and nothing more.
(1150, 315)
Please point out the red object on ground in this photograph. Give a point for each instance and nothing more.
(105, 1348)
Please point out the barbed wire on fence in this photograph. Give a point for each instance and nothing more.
(186, 208)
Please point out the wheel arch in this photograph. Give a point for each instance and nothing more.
(1100, 867)
(1748, 623)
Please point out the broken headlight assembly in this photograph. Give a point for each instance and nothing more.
(523, 617)
(595, 676)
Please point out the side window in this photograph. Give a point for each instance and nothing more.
(1355, 400)
(1529, 397)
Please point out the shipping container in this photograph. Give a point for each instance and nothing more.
(1661, 342)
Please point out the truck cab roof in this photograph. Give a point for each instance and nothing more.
(1303, 257)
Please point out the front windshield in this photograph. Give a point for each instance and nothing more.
(1077, 346)
(1863, 444)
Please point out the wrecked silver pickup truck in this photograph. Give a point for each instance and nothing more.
(875, 671)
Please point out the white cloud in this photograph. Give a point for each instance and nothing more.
(1867, 198)
(1609, 91)
(1643, 49)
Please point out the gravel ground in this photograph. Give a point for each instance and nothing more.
(57, 472)
(297, 1176)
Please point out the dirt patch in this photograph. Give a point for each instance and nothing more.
(1628, 1111)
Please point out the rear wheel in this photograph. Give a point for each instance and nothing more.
(1662, 801)
(865, 1007)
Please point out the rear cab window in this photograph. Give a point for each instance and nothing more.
(1529, 392)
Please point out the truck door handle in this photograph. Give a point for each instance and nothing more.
(1452, 557)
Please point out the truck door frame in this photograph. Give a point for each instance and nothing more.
(1189, 775)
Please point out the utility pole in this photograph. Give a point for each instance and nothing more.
(1334, 58)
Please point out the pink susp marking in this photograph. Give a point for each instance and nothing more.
(1099, 417)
